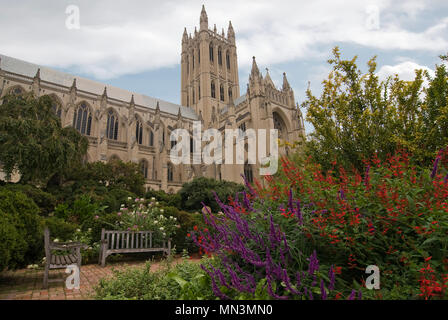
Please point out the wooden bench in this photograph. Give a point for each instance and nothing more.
(53, 261)
(129, 242)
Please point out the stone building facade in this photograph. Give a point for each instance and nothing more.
(133, 127)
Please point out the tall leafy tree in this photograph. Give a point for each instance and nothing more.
(33, 142)
(358, 115)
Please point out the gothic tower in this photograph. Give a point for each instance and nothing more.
(209, 70)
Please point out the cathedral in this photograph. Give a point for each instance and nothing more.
(133, 127)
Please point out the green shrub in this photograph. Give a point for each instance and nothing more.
(200, 190)
(60, 228)
(185, 280)
(187, 222)
(22, 228)
(44, 200)
(165, 199)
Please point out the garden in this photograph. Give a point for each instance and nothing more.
(367, 188)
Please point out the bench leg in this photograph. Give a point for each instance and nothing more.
(47, 268)
(103, 259)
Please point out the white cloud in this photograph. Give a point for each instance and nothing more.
(123, 37)
(405, 70)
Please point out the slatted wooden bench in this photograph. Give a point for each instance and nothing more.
(54, 261)
(129, 242)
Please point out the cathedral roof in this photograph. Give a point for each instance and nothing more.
(82, 84)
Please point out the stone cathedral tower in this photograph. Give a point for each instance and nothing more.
(209, 79)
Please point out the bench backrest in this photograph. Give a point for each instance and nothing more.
(128, 239)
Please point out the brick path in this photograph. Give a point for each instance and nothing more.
(26, 284)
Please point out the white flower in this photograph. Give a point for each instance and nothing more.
(161, 228)
(129, 198)
(161, 217)
(78, 230)
(171, 217)
(156, 222)
(153, 199)
(56, 240)
(161, 210)
(90, 229)
(157, 203)
(164, 234)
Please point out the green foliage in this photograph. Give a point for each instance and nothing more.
(200, 190)
(185, 281)
(165, 199)
(33, 141)
(358, 115)
(22, 239)
(44, 200)
(60, 229)
(187, 222)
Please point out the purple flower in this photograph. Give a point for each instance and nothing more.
(331, 275)
(352, 295)
(434, 169)
(322, 290)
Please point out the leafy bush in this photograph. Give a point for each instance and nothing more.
(184, 281)
(60, 229)
(200, 190)
(165, 199)
(188, 221)
(44, 200)
(23, 231)
(394, 216)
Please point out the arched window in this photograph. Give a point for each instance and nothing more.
(151, 138)
(82, 119)
(188, 65)
(279, 124)
(230, 93)
(220, 56)
(56, 106)
(248, 173)
(221, 92)
(139, 132)
(144, 168)
(199, 92)
(213, 90)
(170, 172)
(199, 55)
(211, 52)
(112, 126)
(17, 91)
(228, 60)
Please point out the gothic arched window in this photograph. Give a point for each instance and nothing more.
(112, 126)
(211, 52)
(248, 173)
(220, 56)
(170, 172)
(82, 119)
(144, 168)
(56, 107)
(230, 93)
(221, 92)
(151, 138)
(213, 90)
(279, 124)
(139, 132)
(228, 59)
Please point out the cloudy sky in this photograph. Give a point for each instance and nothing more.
(136, 44)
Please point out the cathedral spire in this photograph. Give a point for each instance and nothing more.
(204, 19)
(231, 32)
(37, 76)
(254, 71)
(286, 85)
(104, 93)
(214, 28)
(268, 79)
(185, 35)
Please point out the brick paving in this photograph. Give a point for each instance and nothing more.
(26, 284)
